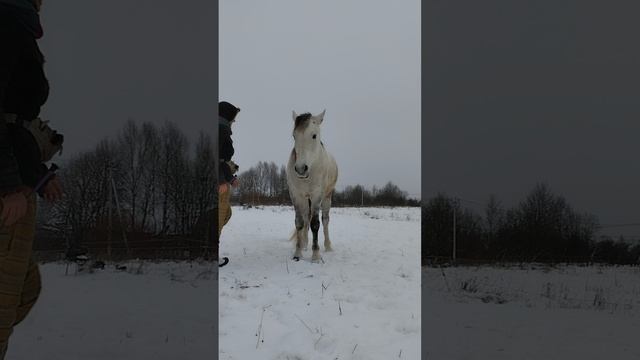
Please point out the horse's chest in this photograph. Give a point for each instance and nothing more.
(308, 191)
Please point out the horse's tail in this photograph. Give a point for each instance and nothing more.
(294, 238)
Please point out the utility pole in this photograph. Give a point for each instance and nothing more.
(109, 210)
(455, 204)
(122, 225)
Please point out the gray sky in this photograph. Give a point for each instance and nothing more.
(359, 59)
(518, 92)
(107, 61)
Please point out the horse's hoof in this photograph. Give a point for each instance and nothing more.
(328, 248)
(316, 258)
(295, 258)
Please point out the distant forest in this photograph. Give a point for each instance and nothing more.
(146, 183)
(543, 227)
(266, 184)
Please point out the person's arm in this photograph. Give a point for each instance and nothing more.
(225, 174)
(225, 144)
(226, 152)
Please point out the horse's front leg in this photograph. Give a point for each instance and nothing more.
(326, 206)
(300, 232)
(315, 226)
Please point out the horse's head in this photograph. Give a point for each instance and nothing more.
(307, 147)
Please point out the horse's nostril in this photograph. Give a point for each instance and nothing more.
(301, 170)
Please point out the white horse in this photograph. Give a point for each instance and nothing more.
(311, 175)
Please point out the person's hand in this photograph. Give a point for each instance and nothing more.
(53, 190)
(14, 207)
(235, 182)
(223, 188)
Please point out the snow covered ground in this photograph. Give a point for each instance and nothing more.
(151, 311)
(362, 302)
(532, 312)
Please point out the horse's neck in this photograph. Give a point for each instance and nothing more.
(323, 151)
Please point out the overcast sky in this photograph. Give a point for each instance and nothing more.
(518, 92)
(107, 61)
(359, 59)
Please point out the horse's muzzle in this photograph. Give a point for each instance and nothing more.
(302, 171)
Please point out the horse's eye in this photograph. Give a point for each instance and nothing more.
(314, 136)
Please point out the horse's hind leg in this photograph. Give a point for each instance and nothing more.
(315, 226)
(326, 205)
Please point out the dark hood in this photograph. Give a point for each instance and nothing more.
(26, 14)
(227, 111)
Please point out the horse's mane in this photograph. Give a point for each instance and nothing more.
(302, 120)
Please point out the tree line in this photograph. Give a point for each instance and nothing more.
(266, 184)
(146, 180)
(543, 227)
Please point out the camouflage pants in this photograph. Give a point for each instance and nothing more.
(19, 275)
(224, 210)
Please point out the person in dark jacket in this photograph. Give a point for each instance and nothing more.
(23, 90)
(227, 114)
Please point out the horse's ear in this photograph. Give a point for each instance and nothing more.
(320, 116)
(293, 113)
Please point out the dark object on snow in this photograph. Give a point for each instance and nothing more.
(121, 267)
(77, 254)
(225, 261)
(98, 264)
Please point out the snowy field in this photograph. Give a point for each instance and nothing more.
(532, 312)
(150, 311)
(362, 302)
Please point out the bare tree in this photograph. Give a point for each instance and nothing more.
(151, 157)
(494, 215)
